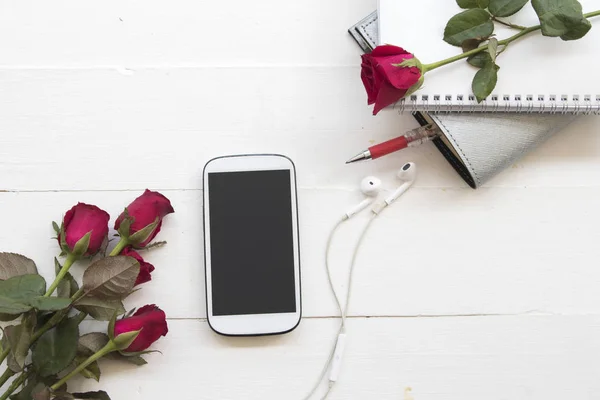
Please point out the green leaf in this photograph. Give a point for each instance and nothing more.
(485, 81)
(34, 385)
(50, 303)
(19, 338)
(23, 287)
(82, 245)
(9, 317)
(506, 8)
(493, 49)
(480, 60)
(130, 312)
(125, 225)
(92, 371)
(68, 286)
(139, 353)
(470, 24)
(92, 342)
(63, 396)
(143, 234)
(470, 44)
(473, 3)
(124, 340)
(56, 349)
(10, 360)
(111, 326)
(135, 359)
(11, 307)
(12, 364)
(100, 395)
(12, 265)
(101, 310)
(16, 292)
(27, 392)
(56, 228)
(63, 240)
(578, 31)
(111, 277)
(562, 18)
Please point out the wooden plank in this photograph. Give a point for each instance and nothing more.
(158, 128)
(187, 32)
(493, 358)
(435, 252)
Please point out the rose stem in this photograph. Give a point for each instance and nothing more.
(110, 347)
(6, 376)
(63, 271)
(119, 247)
(514, 26)
(16, 383)
(505, 42)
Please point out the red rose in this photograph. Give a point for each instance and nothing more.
(80, 220)
(386, 83)
(143, 211)
(152, 322)
(145, 267)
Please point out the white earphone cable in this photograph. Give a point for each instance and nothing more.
(343, 311)
(370, 187)
(352, 265)
(339, 305)
(329, 279)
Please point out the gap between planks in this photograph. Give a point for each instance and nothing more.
(528, 313)
(128, 69)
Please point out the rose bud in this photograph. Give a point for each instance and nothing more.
(77, 223)
(145, 267)
(142, 219)
(150, 321)
(390, 73)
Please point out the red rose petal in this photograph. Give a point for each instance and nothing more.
(152, 323)
(387, 50)
(388, 95)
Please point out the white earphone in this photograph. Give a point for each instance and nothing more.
(408, 173)
(370, 187)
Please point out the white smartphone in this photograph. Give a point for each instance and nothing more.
(251, 245)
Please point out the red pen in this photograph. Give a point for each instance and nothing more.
(412, 138)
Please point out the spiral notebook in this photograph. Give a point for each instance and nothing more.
(537, 73)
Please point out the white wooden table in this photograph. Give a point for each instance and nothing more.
(459, 294)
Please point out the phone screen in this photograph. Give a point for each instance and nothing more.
(251, 242)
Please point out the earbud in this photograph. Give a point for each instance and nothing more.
(370, 186)
(408, 174)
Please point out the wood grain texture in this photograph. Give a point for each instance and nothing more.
(458, 294)
(494, 358)
(130, 33)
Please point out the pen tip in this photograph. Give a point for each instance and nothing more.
(358, 157)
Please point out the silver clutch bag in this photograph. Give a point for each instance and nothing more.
(477, 145)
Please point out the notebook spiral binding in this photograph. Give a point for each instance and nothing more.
(529, 104)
